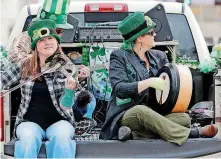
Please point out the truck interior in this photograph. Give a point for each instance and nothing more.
(98, 30)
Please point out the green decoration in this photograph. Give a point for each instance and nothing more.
(53, 17)
(41, 29)
(216, 54)
(188, 62)
(3, 53)
(56, 10)
(85, 56)
(213, 63)
(209, 65)
(43, 15)
(102, 72)
(4, 62)
(99, 83)
(97, 52)
(122, 101)
(67, 99)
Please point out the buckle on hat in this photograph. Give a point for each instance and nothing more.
(43, 32)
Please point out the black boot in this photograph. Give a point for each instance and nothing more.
(124, 133)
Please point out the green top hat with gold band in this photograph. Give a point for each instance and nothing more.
(133, 26)
(41, 29)
(56, 10)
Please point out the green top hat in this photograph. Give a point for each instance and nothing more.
(56, 10)
(133, 26)
(41, 29)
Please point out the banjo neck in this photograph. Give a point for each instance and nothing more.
(95, 67)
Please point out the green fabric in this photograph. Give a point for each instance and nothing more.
(180, 118)
(132, 22)
(59, 19)
(53, 6)
(85, 56)
(3, 53)
(100, 84)
(34, 31)
(56, 10)
(4, 64)
(144, 122)
(122, 101)
(68, 98)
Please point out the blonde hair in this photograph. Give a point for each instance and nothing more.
(31, 66)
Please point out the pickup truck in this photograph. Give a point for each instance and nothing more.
(95, 24)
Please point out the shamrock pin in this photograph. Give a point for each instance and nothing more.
(148, 21)
(64, 18)
(53, 17)
(43, 15)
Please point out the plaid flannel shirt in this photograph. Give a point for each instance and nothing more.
(55, 84)
(20, 48)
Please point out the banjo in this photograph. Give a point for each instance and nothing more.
(176, 96)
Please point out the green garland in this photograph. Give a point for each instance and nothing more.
(210, 64)
(214, 62)
(188, 62)
(85, 56)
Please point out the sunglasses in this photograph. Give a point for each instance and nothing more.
(59, 31)
(152, 32)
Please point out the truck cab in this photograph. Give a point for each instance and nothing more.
(95, 25)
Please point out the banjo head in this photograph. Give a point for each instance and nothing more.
(177, 93)
(161, 96)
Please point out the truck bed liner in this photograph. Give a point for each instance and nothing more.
(137, 148)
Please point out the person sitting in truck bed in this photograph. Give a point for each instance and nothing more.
(132, 70)
(45, 111)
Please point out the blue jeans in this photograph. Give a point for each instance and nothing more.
(59, 136)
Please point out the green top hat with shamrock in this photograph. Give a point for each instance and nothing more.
(41, 29)
(133, 26)
(56, 10)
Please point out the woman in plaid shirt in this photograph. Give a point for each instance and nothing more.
(44, 112)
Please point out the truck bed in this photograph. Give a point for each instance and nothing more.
(154, 148)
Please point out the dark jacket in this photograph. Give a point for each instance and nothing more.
(125, 72)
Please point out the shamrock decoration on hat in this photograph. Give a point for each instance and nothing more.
(56, 10)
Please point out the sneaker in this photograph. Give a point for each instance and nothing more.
(124, 133)
(208, 131)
